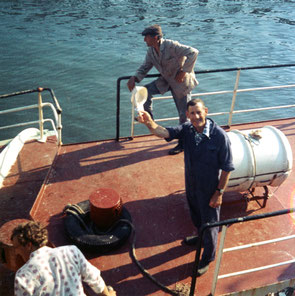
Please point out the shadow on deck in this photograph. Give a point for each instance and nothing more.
(151, 184)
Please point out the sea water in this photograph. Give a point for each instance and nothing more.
(80, 48)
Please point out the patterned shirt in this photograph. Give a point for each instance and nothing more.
(57, 272)
(206, 132)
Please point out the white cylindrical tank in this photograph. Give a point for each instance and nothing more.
(261, 157)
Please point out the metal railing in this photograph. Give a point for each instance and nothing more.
(225, 224)
(55, 108)
(234, 93)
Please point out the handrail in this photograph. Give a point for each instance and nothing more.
(39, 89)
(235, 91)
(56, 109)
(226, 224)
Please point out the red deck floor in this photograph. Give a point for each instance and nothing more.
(151, 185)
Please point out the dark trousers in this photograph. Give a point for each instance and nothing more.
(180, 103)
(202, 213)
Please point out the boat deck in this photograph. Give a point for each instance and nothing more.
(151, 185)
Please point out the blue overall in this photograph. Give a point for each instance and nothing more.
(203, 163)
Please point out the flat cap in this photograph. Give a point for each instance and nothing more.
(154, 30)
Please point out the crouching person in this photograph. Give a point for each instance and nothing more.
(52, 271)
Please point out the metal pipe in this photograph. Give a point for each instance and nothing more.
(262, 109)
(234, 112)
(234, 98)
(132, 118)
(31, 107)
(19, 124)
(18, 109)
(118, 108)
(222, 92)
(259, 243)
(59, 128)
(255, 269)
(58, 108)
(235, 91)
(204, 227)
(219, 257)
(56, 111)
(28, 108)
(17, 93)
(40, 115)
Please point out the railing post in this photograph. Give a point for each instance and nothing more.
(132, 117)
(59, 112)
(219, 257)
(41, 125)
(59, 128)
(118, 110)
(234, 98)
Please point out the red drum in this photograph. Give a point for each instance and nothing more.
(105, 207)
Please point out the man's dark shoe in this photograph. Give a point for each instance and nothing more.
(191, 240)
(203, 268)
(176, 150)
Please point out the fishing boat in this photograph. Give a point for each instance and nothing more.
(42, 178)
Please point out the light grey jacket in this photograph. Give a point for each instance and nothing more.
(173, 58)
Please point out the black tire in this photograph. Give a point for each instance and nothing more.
(95, 240)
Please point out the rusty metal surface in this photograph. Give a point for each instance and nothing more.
(18, 195)
(151, 185)
(26, 176)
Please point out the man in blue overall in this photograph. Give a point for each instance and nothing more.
(175, 62)
(208, 163)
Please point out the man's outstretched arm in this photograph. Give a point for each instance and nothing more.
(158, 130)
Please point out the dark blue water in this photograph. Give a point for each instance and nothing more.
(80, 48)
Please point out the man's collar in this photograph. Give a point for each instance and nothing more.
(206, 130)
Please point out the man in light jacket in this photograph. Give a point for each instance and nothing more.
(175, 62)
